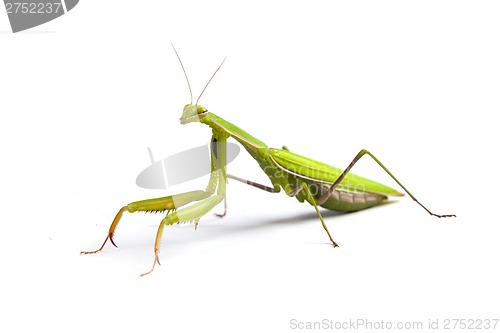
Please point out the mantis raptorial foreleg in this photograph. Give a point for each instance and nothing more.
(188, 214)
(356, 159)
(111, 232)
(168, 204)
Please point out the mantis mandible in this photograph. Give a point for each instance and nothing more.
(317, 183)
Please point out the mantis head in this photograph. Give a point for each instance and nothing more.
(192, 113)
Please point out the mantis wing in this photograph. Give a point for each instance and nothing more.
(326, 174)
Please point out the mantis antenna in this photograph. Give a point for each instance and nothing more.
(185, 74)
(210, 80)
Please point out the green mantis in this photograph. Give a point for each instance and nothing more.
(317, 183)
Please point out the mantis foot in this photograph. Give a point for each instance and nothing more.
(445, 216)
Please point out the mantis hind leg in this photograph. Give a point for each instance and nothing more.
(354, 161)
(192, 213)
(312, 201)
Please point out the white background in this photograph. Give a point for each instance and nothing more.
(83, 96)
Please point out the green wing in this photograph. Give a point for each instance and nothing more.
(325, 173)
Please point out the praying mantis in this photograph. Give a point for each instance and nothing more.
(305, 179)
